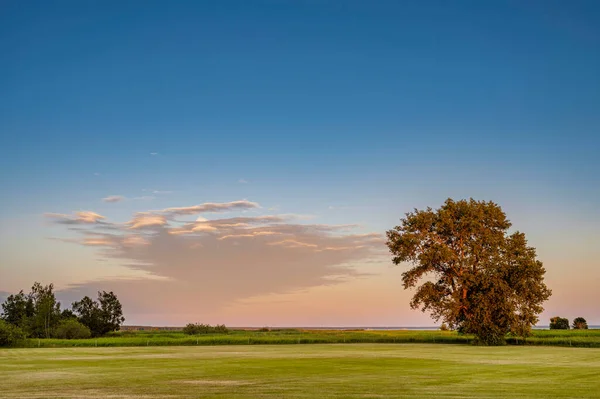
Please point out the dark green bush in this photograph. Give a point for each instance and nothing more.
(195, 329)
(559, 323)
(10, 334)
(72, 329)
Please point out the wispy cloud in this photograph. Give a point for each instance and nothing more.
(210, 207)
(113, 198)
(243, 181)
(81, 217)
(154, 153)
(145, 219)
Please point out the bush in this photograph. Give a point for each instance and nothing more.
(559, 323)
(194, 329)
(444, 327)
(10, 334)
(72, 329)
(579, 323)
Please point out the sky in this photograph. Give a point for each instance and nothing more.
(239, 162)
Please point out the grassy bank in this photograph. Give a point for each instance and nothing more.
(301, 371)
(573, 338)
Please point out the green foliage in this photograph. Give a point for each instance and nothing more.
(38, 313)
(573, 338)
(10, 334)
(71, 329)
(559, 323)
(479, 279)
(111, 311)
(18, 309)
(100, 317)
(579, 323)
(444, 327)
(195, 329)
(46, 310)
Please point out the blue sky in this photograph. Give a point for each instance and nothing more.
(353, 112)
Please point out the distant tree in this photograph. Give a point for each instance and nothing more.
(478, 278)
(190, 329)
(46, 310)
(195, 329)
(18, 309)
(71, 329)
(10, 334)
(100, 317)
(579, 323)
(559, 323)
(444, 327)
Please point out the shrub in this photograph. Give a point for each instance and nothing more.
(444, 327)
(559, 323)
(72, 329)
(194, 329)
(579, 323)
(10, 334)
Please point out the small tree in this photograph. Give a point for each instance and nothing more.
(579, 323)
(559, 323)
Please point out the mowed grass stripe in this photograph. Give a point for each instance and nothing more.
(302, 371)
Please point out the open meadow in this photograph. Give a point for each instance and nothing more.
(302, 371)
(572, 338)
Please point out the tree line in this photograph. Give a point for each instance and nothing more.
(561, 323)
(38, 315)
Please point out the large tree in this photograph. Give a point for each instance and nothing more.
(474, 275)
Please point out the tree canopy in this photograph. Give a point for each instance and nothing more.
(559, 323)
(579, 323)
(100, 317)
(473, 274)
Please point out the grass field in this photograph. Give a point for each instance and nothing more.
(302, 371)
(576, 338)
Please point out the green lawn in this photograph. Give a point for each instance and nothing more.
(302, 371)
